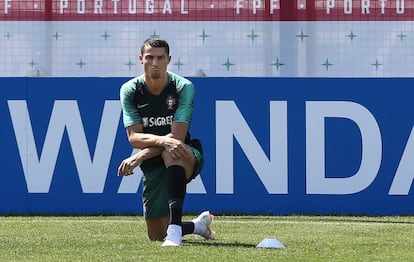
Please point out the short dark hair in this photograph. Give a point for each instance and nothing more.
(156, 42)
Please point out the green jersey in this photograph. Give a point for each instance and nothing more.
(157, 112)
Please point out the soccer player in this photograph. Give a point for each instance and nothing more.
(157, 110)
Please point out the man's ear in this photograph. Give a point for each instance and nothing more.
(140, 58)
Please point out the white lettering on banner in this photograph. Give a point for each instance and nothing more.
(230, 123)
(81, 7)
(7, 5)
(370, 9)
(404, 175)
(183, 11)
(38, 172)
(130, 184)
(63, 4)
(115, 6)
(132, 6)
(365, 6)
(329, 5)
(316, 182)
(272, 171)
(239, 5)
(273, 6)
(256, 5)
(98, 7)
(348, 7)
(167, 8)
(400, 7)
(149, 7)
(382, 4)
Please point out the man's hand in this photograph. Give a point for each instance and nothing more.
(177, 148)
(128, 165)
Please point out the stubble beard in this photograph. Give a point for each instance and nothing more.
(155, 75)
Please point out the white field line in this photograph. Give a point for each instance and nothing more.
(343, 223)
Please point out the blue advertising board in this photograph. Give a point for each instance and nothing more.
(272, 146)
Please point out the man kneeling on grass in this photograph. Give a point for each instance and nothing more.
(157, 110)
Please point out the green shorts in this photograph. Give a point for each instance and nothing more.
(155, 191)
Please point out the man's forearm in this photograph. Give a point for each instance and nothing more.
(149, 152)
(145, 140)
(129, 164)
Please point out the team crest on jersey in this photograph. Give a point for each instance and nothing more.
(170, 102)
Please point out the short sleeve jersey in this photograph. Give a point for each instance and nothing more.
(156, 113)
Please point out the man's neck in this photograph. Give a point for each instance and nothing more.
(155, 86)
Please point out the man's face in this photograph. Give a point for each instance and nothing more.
(155, 61)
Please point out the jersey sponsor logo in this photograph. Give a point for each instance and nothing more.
(170, 102)
(157, 121)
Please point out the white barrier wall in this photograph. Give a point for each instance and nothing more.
(286, 38)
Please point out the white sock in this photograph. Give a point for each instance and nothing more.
(174, 228)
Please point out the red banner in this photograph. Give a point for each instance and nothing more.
(196, 10)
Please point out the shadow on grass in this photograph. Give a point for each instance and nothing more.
(216, 243)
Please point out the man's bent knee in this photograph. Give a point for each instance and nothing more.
(156, 237)
(157, 228)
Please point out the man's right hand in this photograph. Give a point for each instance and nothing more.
(128, 165)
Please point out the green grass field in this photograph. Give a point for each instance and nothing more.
(123, 238)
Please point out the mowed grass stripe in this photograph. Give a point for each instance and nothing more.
(123, 238)
(334, 220)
